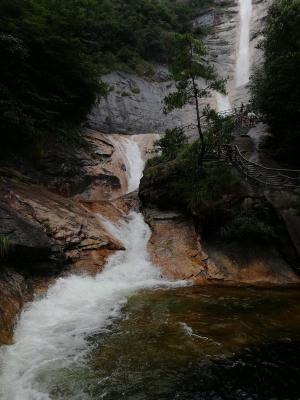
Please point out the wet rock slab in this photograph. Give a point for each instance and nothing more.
(14, 292)
(174, 245)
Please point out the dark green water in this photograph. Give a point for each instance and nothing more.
(194, 343)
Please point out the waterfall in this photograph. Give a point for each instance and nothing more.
(223, 102)
(130, 151)
(54, 332)
(243, 57)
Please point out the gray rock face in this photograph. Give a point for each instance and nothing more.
(135, 105)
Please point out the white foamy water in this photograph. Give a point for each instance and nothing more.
(53, 332)
(189, 331)
(223, 102)
(131, 154)
(243, 57)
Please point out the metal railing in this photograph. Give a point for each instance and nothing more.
(269, 177)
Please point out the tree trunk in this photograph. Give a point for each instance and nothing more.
(200, 132)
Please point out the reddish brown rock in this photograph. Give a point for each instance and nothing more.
(259, 265)
(174, 245)
(13, 294)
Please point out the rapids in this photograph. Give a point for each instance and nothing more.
(54, 332)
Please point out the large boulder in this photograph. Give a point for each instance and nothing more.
(45, 226)
(93, 170)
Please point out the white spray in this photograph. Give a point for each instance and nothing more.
(223, 103)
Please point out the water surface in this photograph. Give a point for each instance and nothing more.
(193, 343)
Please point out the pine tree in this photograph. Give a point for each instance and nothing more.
(188, 67)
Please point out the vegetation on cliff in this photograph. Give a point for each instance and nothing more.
(53, 53)
(214, 194)
(276, 84)
(189, 65)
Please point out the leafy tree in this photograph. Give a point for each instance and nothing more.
(188, 66)
(218, 128)
(53, 53)
(170, 144)
(276, 84)
(49, 77)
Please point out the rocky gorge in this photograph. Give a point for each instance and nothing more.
(82, 234)
(49, 212)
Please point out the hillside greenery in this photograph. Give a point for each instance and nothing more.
(189, 64)
(213, 194)
(276, 84)
(53, 53)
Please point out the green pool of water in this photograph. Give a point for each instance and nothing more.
(193, 343)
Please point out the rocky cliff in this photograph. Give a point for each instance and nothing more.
(49, 221)
(135, 104)
(238, 238)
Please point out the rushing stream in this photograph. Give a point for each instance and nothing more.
(55, 333)
(128, 334)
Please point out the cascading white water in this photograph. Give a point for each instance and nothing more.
(135, 163)
(243, 57)
(129, 149)
(223, 102)
(53, 332)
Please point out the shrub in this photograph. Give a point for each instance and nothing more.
(247, 227)
(179, 182)
(170, 144)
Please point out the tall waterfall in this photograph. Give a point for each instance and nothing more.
(54, 332)
(243, 57)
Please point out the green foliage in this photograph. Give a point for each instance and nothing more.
(170, 144)
(247, 227)
(276, 85)
(189, 64)
(53, 52)
(5, 245)
(49, 73)
(216, 181)
(253, 221)
(218, 128)
(183, 186)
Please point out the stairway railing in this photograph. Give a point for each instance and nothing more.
(269, 177)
